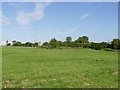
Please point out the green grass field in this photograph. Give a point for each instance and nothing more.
(52, 68)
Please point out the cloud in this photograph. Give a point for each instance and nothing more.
(85, 15)
(24, 18)
(3, 19)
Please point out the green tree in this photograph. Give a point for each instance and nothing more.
(13, 41)
(9, 44)
(28, 44)
(65, 44)
(83, 41)
(115, 44)
(104, 45)
(68, 40)
(59, 44)
(23, 44)
(45, 44)
(95, 46)
(35, 44)
(18, 43)
(53, 43)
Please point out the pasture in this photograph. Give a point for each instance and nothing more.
(54, 68)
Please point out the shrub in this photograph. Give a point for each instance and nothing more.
(108, 49)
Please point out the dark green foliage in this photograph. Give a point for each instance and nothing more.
(99, 46)
(15, 43)
(65, 44)
(83, 39)
(23, 44)
(81, 42)
(60, 44)
(108, 49)
(9, 44)
(104, 45)
(28, 44)
(53, 43)
(68, 39)
(35, 44)
(45, 44)
(95, 46)
(115, 44)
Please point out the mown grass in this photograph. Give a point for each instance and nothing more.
(53, 68)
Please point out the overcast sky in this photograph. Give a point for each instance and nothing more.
(27, 21)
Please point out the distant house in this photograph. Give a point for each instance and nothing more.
(3, 44)
(40, 43)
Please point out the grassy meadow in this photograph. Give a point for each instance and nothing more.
(59, 68)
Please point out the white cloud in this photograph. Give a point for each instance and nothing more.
(4, 19)
(24, 18)
(85, 15)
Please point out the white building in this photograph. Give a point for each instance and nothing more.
(40, 43)
(3, 44)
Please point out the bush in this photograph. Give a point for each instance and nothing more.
(60, 48)
(9, 44)
(108, 49)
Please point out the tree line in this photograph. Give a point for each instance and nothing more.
(81, 42)
(18, 43)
